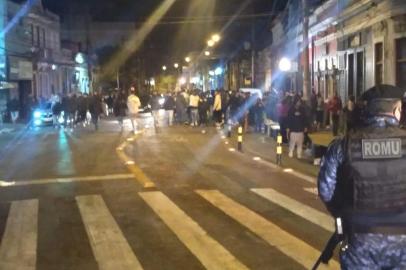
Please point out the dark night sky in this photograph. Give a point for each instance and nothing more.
(176, 40)
(173, 41)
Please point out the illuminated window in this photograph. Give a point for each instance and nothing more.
(379, 63)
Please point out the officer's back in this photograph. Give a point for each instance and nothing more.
(363, 181)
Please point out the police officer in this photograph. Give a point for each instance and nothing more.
(363, 181)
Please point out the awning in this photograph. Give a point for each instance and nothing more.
(7, 85)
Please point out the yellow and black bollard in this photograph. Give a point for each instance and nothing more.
(239, 139)
(279, 149)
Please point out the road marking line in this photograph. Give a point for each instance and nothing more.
(312, 190)
(110, 248)
(209, 252)
(18, 248)
(66, 180)
(302, 176)
(297, 208)
(293, 247)
(137, 172)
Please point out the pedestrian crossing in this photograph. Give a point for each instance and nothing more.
(112, 250)
(19, 243)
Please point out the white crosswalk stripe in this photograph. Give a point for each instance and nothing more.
(109, 245)
(298, 208)
(290, 245)
(18, 250)
(210, 253)
(111, 249)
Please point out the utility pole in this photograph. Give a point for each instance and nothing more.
(306, 68)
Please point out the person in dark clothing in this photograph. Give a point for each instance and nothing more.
(362, 182)
(110, 103)
(259, 115)
(180, 107)
(225, 104)
(95, 109)
(169, 106)
(203, 109)
(282, 111)
(234, 105)
(119, 108)
(335, 107)
(155, 107)
(81, 108)
(296, 127)
(30, 105)
(56, 112)
(71, 108)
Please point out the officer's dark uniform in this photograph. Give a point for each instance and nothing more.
(363, 180)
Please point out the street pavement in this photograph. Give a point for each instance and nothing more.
(166, 198)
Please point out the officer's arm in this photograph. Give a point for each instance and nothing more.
(327, 179)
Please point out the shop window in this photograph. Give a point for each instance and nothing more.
(401, 62)
(379, 63)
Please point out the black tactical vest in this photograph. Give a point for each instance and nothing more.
(375, 169)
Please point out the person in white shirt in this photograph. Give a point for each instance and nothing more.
(193, 105)
(133, 106)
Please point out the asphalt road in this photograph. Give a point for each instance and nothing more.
(171, 198)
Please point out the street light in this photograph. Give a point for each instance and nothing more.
(285, 64)
(176, 65)
(210, 43)
(207, 53)
(216, 38)
(187, 59)
(163, 68)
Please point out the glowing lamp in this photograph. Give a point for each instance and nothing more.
(285, 64)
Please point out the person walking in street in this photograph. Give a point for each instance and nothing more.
(193, 106)
(13, 106)
(296, 127)
(319, 111)
(282, 111)
(155, 107)
(349, 114)
(362, 182)
(169, 107)
(95, 109)
(180, 108)
(82, 109)
(203, 109)
(259, 115)
(56, 112)
(335, 107)
(71, 108)
(217, 109)
(110, 104)
(133, 106)
(119, 109)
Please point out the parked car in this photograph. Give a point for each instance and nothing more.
(42, 116)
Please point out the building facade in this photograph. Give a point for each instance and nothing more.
(353, 46)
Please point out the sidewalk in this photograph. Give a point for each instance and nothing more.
(265, 147)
